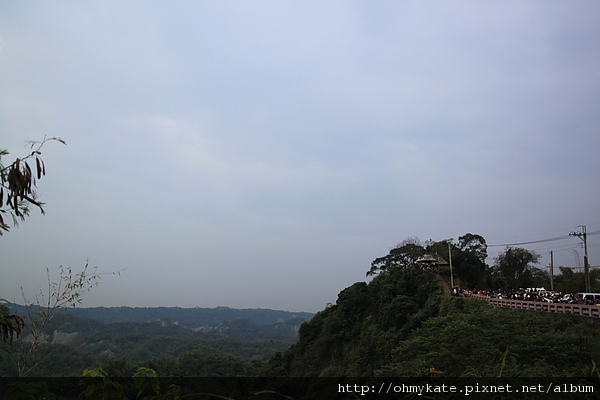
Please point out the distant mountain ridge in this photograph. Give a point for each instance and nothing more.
(190, 317)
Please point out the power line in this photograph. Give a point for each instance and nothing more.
(540, 241)
(558, 249)
(532, 242)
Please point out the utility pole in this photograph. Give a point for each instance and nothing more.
(586, 265)
(551, 270)
(450, 260)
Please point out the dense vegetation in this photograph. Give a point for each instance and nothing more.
(167, 356)
(401, 324)
(71, 345)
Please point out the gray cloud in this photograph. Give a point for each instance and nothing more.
(262, 155)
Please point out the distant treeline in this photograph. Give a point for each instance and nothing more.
(70, 345)
(189, 317)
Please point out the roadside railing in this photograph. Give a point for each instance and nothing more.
(577, 309)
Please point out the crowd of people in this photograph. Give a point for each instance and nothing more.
(533, 294)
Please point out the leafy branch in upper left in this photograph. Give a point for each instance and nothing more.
(18, 182)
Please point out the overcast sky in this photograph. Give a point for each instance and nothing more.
(261, 154)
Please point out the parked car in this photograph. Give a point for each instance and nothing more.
(588, 298)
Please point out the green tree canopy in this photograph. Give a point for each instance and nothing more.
(514, 268)
(469, 259)
(404, 254)
(469, 256)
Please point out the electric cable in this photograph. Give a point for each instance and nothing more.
(541, 241)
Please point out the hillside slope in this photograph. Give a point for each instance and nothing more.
(401, 324)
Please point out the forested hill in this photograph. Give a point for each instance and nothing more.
(172, 341)
(189, 317)
(401, 324)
